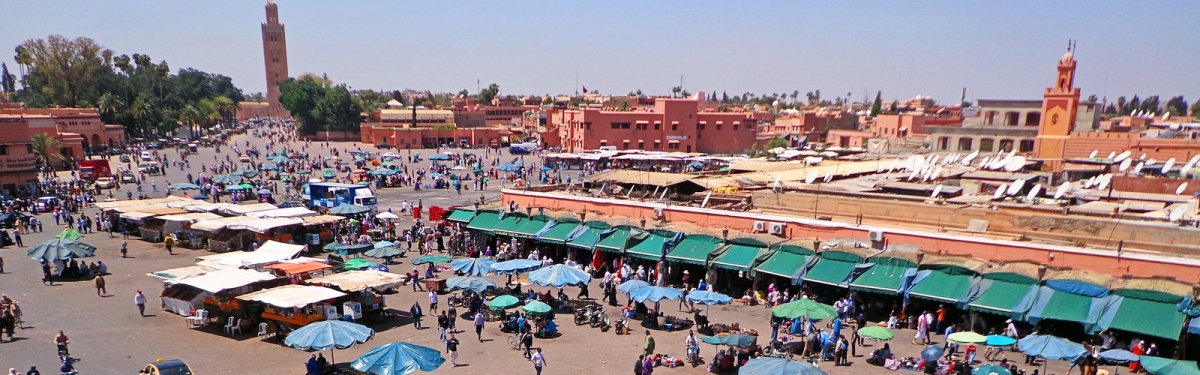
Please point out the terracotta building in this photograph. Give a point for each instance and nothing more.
(274, 40)
(672, 125)
(79, 131)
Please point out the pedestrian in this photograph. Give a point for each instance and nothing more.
(99, 283)
(443, 324)
(140, 300)
(47, 276)
(648, 346)
(415, 311)
(169, 242)
(1, 264)
(637, 366)
(452, 315)
(539, 361)
(648, 366)
(17, 237)
(124, 249)
(452, 348)
(479, 325)
(433, 300)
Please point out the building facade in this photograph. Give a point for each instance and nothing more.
(673, 125)
(274, 40)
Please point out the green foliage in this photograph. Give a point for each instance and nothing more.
(777, 142)
(547, 100)
(877, 105)
(1177, 106)
(46, 149)
(339, 109)
(300, 97)
(320, 107)
(443, 127)
(1196, 108)
(624, 107)
(371, 100)
(486, 95)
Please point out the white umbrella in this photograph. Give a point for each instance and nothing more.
(387, 216)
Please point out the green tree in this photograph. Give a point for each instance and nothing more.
(300, 97)
(339, 110)
(8, 82)
(109, 104)
(547, 100)
(877, 105)
(370, 100)
(1196, 108)
(1122, 105)
(624, 107)
(46, 149)
(1093, 98)
(1177, 106)
(68, 68)
(1150, 104)
(486, 95)
(777, 142)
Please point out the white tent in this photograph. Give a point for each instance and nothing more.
(247, 208)
(283, 212)
(353, 281)
(268, 253)
(263, 225)
(217, 281)
(215, 225)
(292, 295)
(181, 272)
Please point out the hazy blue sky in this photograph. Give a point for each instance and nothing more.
(997, 49)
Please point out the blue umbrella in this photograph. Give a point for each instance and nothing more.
(227, 179)
(740, 340)
(515, 266)
(508, 168)
(558, 276)
(991, 369)
(472, 283)
(277, 159)
(1051, 347)
(269, 168)
(234, 187)
(775, 365)
(473, 266)
(705, 297)
(385, 252)
(655, 294)
(329, 334)
(348, 209)
(932, 352)
(547, 169)
(439, 157)
(1119, 356)
(60, 249)
(382, 244)
(382, 172)
(398, 358)
(632, 285)
(200, 196)
(247, 173)
(1000, 340)
(435, 175)
(183, 186)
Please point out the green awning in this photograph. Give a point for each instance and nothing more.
(1158, 319)
(881, 278)
(587, 239)
(941, 286)
(484, 221)
(1001, 297)
(615, 241)
(738, 257)
(510, 224)
(558, 233)
(694, 249)
(1066, 306)
(527, 228)
(461, 216)
(782, 263)
(829, 271)
(652, 247)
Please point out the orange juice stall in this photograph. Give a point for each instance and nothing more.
(295, 306)
(365, 288)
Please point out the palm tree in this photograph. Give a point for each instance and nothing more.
(140, 110)
(46, 149)
(189, 116)
(109, 104)
(224, 106)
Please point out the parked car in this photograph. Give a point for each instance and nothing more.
(124, 158)
(106, 183)
(45, 204)
(147, 156)
(127, 176)
(383, 146)
(166, 367)
(9, 219)
(244, 159)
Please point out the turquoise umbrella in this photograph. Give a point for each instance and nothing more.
(558, 276)
(303, 171)
(329, 334)
(398, 358)
(227, 179)
(430, 259)
(1165, 366)
(269, 168)
(472, 266)
(740, 340)
(60, 249)
(183, 186)
(277, 159)
(991, 369)
(516, 266)
(705, 297)
(504, 302)
(655, 293)
(632, 285)
(536, 307)
(328, 173)
(348, 209)
(385, 252)
(775, 366)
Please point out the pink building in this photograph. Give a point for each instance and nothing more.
(910, 124)
(673, 125)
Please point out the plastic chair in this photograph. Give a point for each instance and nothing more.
(229, 326)
(200, 319)
(262, 330)
(236, 327)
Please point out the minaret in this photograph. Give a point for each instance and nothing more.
(1060, 105)
(274, 55)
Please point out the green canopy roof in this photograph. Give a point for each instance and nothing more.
(652, 247)
(881, 278)
(830, 271)
(943, 286)
(461, 216)
(587, 239)
(509, 225)
(615, 241)
(558, 233)
(1001, 297)
(531, 226)
(1065, 306)
(484, 221)
(738, 257)
(782, 263)
(1158, 319)
(694, 249)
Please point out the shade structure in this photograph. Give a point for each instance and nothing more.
(632, 285)
(877, 333)
(472, 283)
(558, 276)
(358, 264)
(348, 209)
(515, 266)
(235, 187)
(183, 186)
(269, 168)
(990, 369)
(303, 171)
(1051, 347)
(508, 168)
(472, 266)
(536, 307)
(328, 173)
(1000, 340)
(804, 307)
(277, 159)
(69, 234)
(439, 157)
(430, 259)
(1118, 356)
(1164, 366)
(775, 366)
(967, 337)
(932, 352)
(386, 216)
(382, 244)
(60, 249)
(655, 293)
(705, 297)
(398, 358)
(385, 252)
(382, 172)
(504, 302)
(227, 179)
(329, 334)
(740, 340)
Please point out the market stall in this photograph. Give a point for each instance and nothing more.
(365, 288)
(215, 288)
(269, 252)
(296, 305)
(180, 226)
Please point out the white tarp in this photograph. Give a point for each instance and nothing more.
(247, 208)
(263, 225)
(323, 219)
(216, 281)
(268, 253)
(190, 217)
(199, 206)
(215, 225)
(180, 273)
(141, 202)
(292, 295)
(283, 212)
(353, 281)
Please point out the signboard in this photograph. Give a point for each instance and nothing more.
(17, 163)
(677, 137)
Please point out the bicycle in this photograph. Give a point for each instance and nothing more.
(514, 341)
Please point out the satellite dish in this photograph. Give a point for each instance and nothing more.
(1152, 161)
(811, 176)
(1177, 213)
(1015, 164)
(936, 190)
(1167, 167)
(829, 177)
(936, 173)
(1186, 167)
(1011, 153)
(895, 163)
(1112, 155)
(1000, 191)
(1182, 187)
(1125, 165)
(967, 160)
(997, 164)
(1016, 186)
(1137, 169)
(1033, 192)
(1102, 181)
(913, 175)
(1093, 154)
(1166, 116)
(1090, 181)
(984, 162)
(1143, 157)
(1175, 126)
(1062, 190)
(935, 159)
(1195, 159)
(1122, 157)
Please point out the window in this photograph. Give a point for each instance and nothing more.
(985, 144)
(1026, 145)
(657, 144)
(641, 126)
(964, 144)
(3, 149)
(735, 127)
(641, 144)
(29, 148)
(603, 143)
(657, 126)
(625, 145)
(673, 146)
(674, 126)
(718, 127)
(620, 125)
(1006, 145)
(701, 126)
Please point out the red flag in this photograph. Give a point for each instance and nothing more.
(585, 89)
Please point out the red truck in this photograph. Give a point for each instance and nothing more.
(92, 169)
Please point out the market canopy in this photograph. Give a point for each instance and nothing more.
(783, 264)
(946, 284)
(460, 216)
(321, 219)
(354, 281)
(143, 215)
(694, 249)
(1166, 366)
(1068, 300)
(886, 275)
(484, 221)
(216, 225)
(1153, 318)
(833, 267)
(269, 252)
(1002, 292)
(297, 268)
(283, 212)
(190, 217)
(264, 225)
(217, 281)
(558, 233)
(243, 209)
(615, 239)
(60, 249)
(740, 254)
(587, 235)
(292, 296)
(181, 272)
(654, 246)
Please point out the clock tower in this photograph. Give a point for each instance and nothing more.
(1060, 104)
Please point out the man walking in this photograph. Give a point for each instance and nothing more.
(648, 346)
(415, 311)
(140, 300)
(47, 276)
(99, 283)
(479, 325)
(169, 242)
(539, 361)
(452, 348)
(17, 237)
(452, 315)
(433, 300)
(443, 323)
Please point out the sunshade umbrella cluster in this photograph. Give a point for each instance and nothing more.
(329, 334)
(705, 297)
(877, 333)
(655, 294)
(804, 307)
(1051, 347)
(60, 249)
(473, 266)
(472, 283)
(504, 302)
(740, 340)
(430, 259)
(398, 358)
(774, 366)
(558, 276)
(536, 308)
(183, 186)
(515, 266)
(632, 285)
(967, 337)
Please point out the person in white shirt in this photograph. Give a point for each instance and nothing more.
(539, 361)
(433, 300)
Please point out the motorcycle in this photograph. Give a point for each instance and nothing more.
(582, 316)
(777, 349)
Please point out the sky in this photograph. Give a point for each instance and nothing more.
(995, 49)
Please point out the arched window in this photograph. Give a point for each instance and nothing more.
(1054, 119)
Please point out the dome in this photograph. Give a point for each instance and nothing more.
(1068, 56)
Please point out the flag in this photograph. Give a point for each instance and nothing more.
(585, 89)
